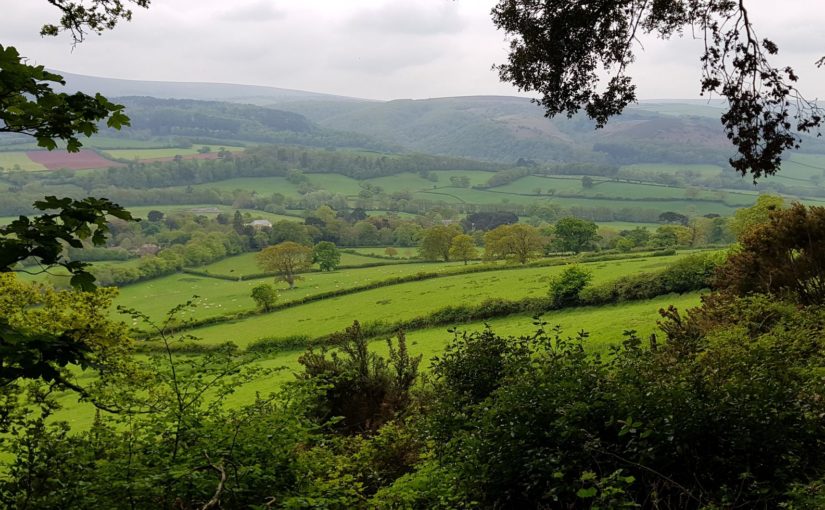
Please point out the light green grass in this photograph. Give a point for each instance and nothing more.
(165, 152)
(602, 188)
(335, 183)
(260, 185)
(403, 252)
(408, 300)
(627, 225)
(216, 297)
(406, 182)
(242, 265)
(605, 324)
(18, 160)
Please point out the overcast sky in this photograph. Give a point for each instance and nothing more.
(379, 49)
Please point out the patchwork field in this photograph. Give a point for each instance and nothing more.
(242, 265)
(405, 301)
(164, 153)
(217, 296)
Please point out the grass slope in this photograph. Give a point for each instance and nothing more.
(407, 300)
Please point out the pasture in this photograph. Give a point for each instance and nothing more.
(210, 210)
(217, 296)
(245, 264)
(406, 300)
(162, 153)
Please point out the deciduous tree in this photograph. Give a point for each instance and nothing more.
(784, 256)
(436, 242)
(264, 296)
(463, 248)
(326, 255)
(517, 242)
(573, 234)
(287, 259)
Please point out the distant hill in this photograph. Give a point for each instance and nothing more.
(217, 121)
(505, 129)
(499, 129)
(252, 94)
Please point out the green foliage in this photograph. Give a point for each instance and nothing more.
(29, 105)
(518, 242)
(463, 247)
(326, 255)
(44, 332)
(748, 218)
(691, 273)
(765, 112)
(566, 286)
(265, 296)
(573, 234)
(287, 259)
(783, 256)
(648, 420)
(436, 242)
(41, 237)
(364, 390)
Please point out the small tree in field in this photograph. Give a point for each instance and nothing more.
(391, 252)
(463, 248)
(326, 255)
(265, 296)
(287, 259)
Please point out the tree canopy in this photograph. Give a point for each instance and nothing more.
(560, 49)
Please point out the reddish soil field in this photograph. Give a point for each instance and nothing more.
(55, 160)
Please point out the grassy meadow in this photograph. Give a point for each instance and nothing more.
(392, 303)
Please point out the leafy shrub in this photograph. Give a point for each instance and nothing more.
(364, 390)
(565, 287)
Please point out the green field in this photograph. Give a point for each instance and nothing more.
(260, 185)
(403, 252)
(474, 196)
(408, 300)
(14, 160)
(155, 297)
(601, 188)
(242, 265)
(627, 225)
(140, 211)
(166, 152)
(605, 324)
